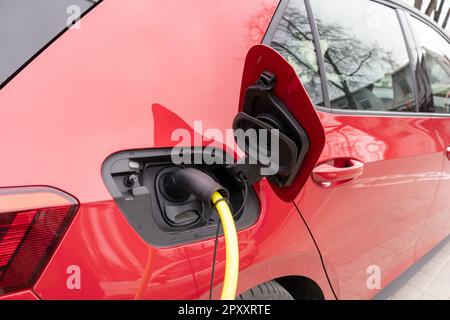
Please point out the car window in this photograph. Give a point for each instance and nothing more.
(27, 26)
(365, 56)
(293, 39)
(436, 53)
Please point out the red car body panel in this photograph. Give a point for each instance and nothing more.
(90, 95)
(377, 219)
(437, 225)
(132, 74)
(112, 257)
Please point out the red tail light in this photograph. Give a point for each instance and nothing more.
(32, 221)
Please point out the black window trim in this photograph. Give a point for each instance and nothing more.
(275, 21)
(403, 13)
(412, 52)
(319, 56)
(282, 6)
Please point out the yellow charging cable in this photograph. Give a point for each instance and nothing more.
(231, 251)
(231, 247)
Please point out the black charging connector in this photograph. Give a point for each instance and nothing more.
(184, 182)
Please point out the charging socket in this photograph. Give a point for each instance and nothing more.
(160, 218)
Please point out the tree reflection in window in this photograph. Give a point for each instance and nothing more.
(365, 55)
(294, 40)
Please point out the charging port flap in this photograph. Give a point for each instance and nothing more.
(273, 97)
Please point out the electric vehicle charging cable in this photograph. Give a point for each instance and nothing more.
(231, 247)
(216, 242)
(193, 181)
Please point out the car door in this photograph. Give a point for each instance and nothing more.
(369, 194)
(434, 72)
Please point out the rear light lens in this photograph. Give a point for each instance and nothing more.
(32, 221)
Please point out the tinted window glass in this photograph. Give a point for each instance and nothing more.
(436, 51)
(365, 56)
(28, 25)
(293, 39)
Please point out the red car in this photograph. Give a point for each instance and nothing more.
(88, 114)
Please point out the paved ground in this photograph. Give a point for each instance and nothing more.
(429, 279)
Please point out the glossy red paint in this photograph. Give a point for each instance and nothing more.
(105, 79)
(112, 258)
(135, 72)
(376, 219)
(437, 225)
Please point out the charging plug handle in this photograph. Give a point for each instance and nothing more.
(184, 182)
